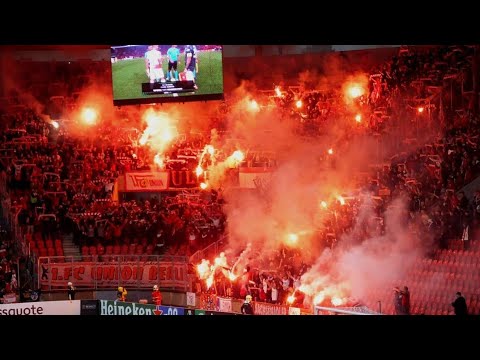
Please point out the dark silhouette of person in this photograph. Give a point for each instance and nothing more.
(460, 305)
(406, 301)
(397, 301)
(71, 291)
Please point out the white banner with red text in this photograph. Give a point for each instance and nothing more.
(146, 181)
(251, 178)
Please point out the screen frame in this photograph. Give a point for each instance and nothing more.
(169, 99)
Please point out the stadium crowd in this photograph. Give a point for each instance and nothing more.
(57, 183)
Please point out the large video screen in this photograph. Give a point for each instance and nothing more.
(165, 73)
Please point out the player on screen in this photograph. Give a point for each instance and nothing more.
(173, 53)
(190, 63)
(153, 64)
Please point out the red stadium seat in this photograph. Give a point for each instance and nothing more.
(109, 250)
(49, 244)
(58, 243)
(124, 250)
(117, 250)
(51, 251)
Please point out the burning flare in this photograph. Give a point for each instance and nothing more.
(89, 116)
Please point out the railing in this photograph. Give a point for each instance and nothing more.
(131, 271)
(211, 251)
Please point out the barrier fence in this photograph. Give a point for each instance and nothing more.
(193, 304)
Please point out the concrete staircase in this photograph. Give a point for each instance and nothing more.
(69, 247)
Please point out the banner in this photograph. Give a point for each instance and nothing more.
(146, 181)
(171, 310)
(224, 305)
(144, 274)
(269, 309)
(251, 178)
(89, 307)
(294, 311)
(183, 179)
(191, 299)
(108, 307)
(42, 308)
(208, 302)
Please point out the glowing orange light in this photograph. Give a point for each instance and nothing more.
(210, 149)
(420, 109)
(292, 238)
(203, 186)
(199, 170)
(299, 104)
(341, 200)
(330, 151)
(291, 299)
(55, 124)
(232, 276)
(336, 301)
(158, 161)
(89, 116)
(238, 155)
(355, 91)
(253, 105)
(318, 298)
(324, 204)
(358, 118)
(278, 91)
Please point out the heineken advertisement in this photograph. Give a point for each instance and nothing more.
(108, 307)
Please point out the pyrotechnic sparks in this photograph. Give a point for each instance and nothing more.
(420, 109)
(341, 200)
(210, 149)
(253, 106)
(55, 124)
(358, 118)
(355, 91)
(232, 276)
(291, 299)
(323, 204)
(235, 159)
(203, 185)
(298, 104)
(330, 151)
(157, 159)
(318, 299)
(278, 92)
(336, 301)
(207, 272)
(238, 155)
(291, 239)
(199, 171)
(89, 116)
(159, 131)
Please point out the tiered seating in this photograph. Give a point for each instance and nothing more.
(434, 282)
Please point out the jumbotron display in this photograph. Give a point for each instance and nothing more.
(165, 73)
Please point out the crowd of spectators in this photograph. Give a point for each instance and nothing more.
(59, 183)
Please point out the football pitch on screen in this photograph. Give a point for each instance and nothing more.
(128, 76)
